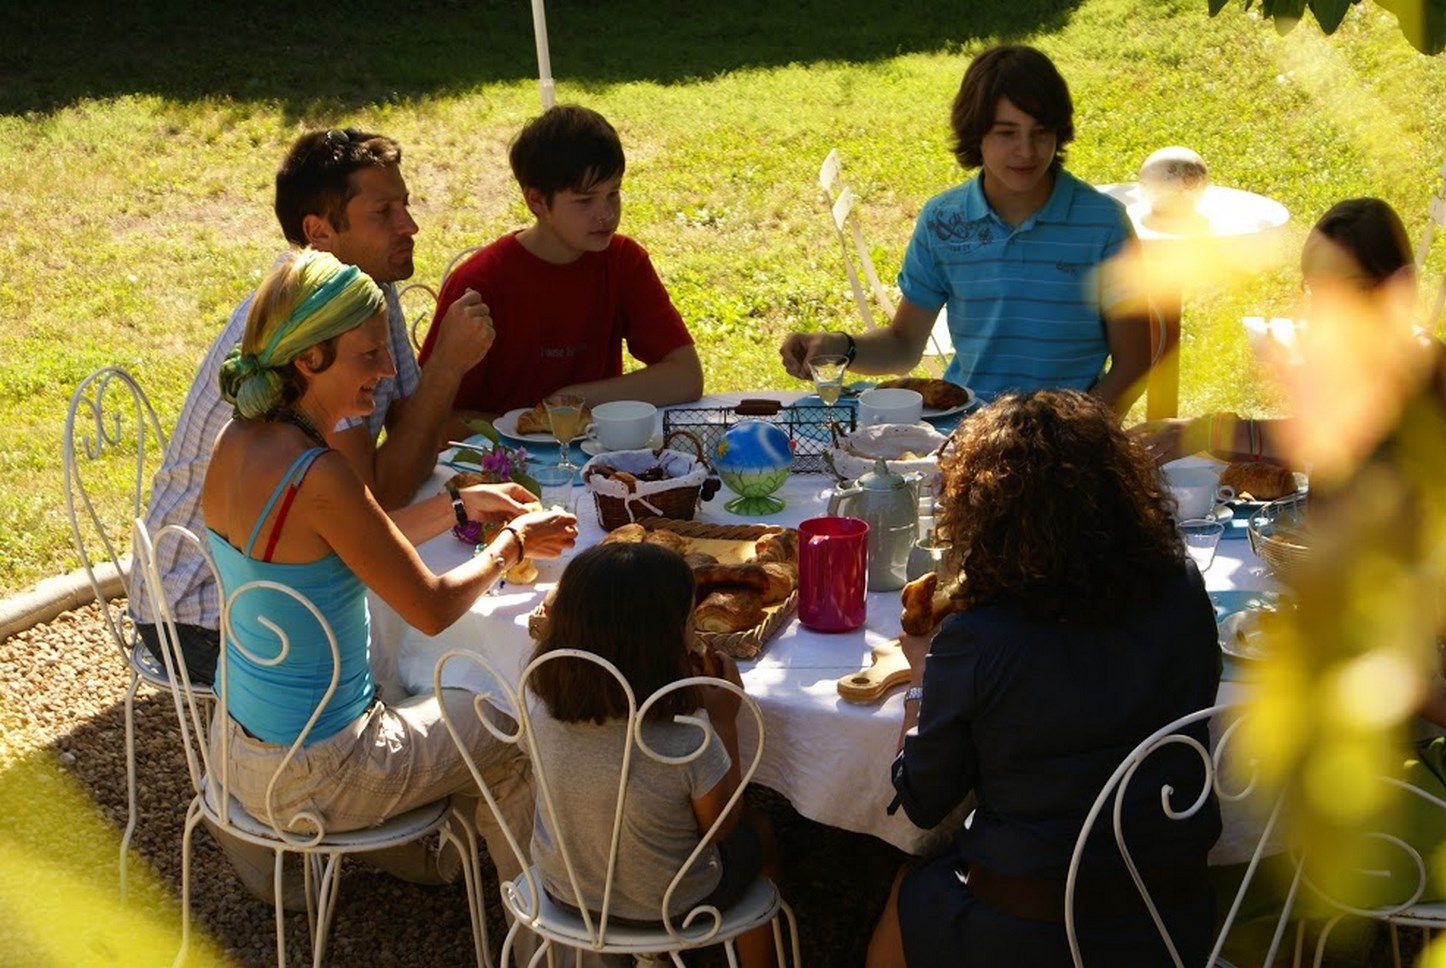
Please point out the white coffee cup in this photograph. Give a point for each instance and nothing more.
(623, 424)
(890, 405)
(1196, 490)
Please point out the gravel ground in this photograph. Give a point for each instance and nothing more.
(61, 692)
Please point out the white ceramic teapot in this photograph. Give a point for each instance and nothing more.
(889, 504)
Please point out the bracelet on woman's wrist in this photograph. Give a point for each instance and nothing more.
(521, 548)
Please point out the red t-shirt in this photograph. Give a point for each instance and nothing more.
(559, 324)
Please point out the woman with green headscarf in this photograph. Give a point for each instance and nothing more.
(280, 505)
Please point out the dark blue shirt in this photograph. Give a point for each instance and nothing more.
(1033, 718)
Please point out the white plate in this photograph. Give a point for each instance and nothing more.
(506, 425)
(592, 447)
(932, 414)
(1241, 637)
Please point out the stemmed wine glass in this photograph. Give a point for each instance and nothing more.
(828, 373)
(564, 414)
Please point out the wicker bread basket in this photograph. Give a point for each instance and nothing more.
(619, 502)
(744, 644)
(1277, 532)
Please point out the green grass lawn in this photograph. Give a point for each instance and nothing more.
(137, 150)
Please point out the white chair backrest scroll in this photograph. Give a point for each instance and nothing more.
(591, 927)
(1233, 783)
(113, 443)
(419, 304)
(419, 300)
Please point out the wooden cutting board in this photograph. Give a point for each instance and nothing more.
(889, 668)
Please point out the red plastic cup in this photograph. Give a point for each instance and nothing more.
(833, 558)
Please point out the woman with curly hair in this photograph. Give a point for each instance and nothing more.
(1085, 628)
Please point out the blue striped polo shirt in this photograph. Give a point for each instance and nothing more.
(1026, 305)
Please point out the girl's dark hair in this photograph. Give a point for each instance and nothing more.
(1062, 513)
(1371, 231)
(567, 147)
(628, 603)
(1030, 81)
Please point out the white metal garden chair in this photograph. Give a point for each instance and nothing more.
(530, 907)
(1233, 783)
(304, 833)
(1410, 911)
(419, 300)
(112, 430)
(841, 202)
(1435, 222)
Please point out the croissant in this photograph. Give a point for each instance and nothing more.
(729, 610)
(1262, 480)
(776, 546)
(536, 421)
(782, 579)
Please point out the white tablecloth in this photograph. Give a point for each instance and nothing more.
(828, 757)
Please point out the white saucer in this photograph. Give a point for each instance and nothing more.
(592, 447)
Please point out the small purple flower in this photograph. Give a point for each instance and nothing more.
(497, 462)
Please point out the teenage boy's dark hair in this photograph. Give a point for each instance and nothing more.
(567, 147)
(1030, 81)
(1371, 231)
(315, 176)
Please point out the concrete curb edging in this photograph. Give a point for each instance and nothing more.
(60, 594)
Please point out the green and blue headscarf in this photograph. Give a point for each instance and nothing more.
(331, 298)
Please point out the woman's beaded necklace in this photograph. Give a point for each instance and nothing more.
(301, 423)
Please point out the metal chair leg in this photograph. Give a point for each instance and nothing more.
(131, 809)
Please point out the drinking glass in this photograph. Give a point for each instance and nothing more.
(1201, 535)
(564, 414)
(555, 482)
(828, 373)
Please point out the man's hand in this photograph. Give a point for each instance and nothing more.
(465, 334)
(798, 349)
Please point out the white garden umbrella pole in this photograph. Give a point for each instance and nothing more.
(544, 60)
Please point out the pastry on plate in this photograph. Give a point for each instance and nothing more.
(937, 394)
(1258, 480)
(535, 421)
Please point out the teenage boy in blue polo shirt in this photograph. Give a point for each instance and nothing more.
(1017, 253)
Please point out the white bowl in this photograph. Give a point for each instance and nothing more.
(905, 448)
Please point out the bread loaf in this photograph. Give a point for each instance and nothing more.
(630, 533)
(1258, 480)
(749, 576)
(729, 610)
(925, 604)
(667, 539)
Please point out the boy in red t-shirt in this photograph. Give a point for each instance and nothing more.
(567, 291)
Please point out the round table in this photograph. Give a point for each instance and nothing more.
(1231, 231)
